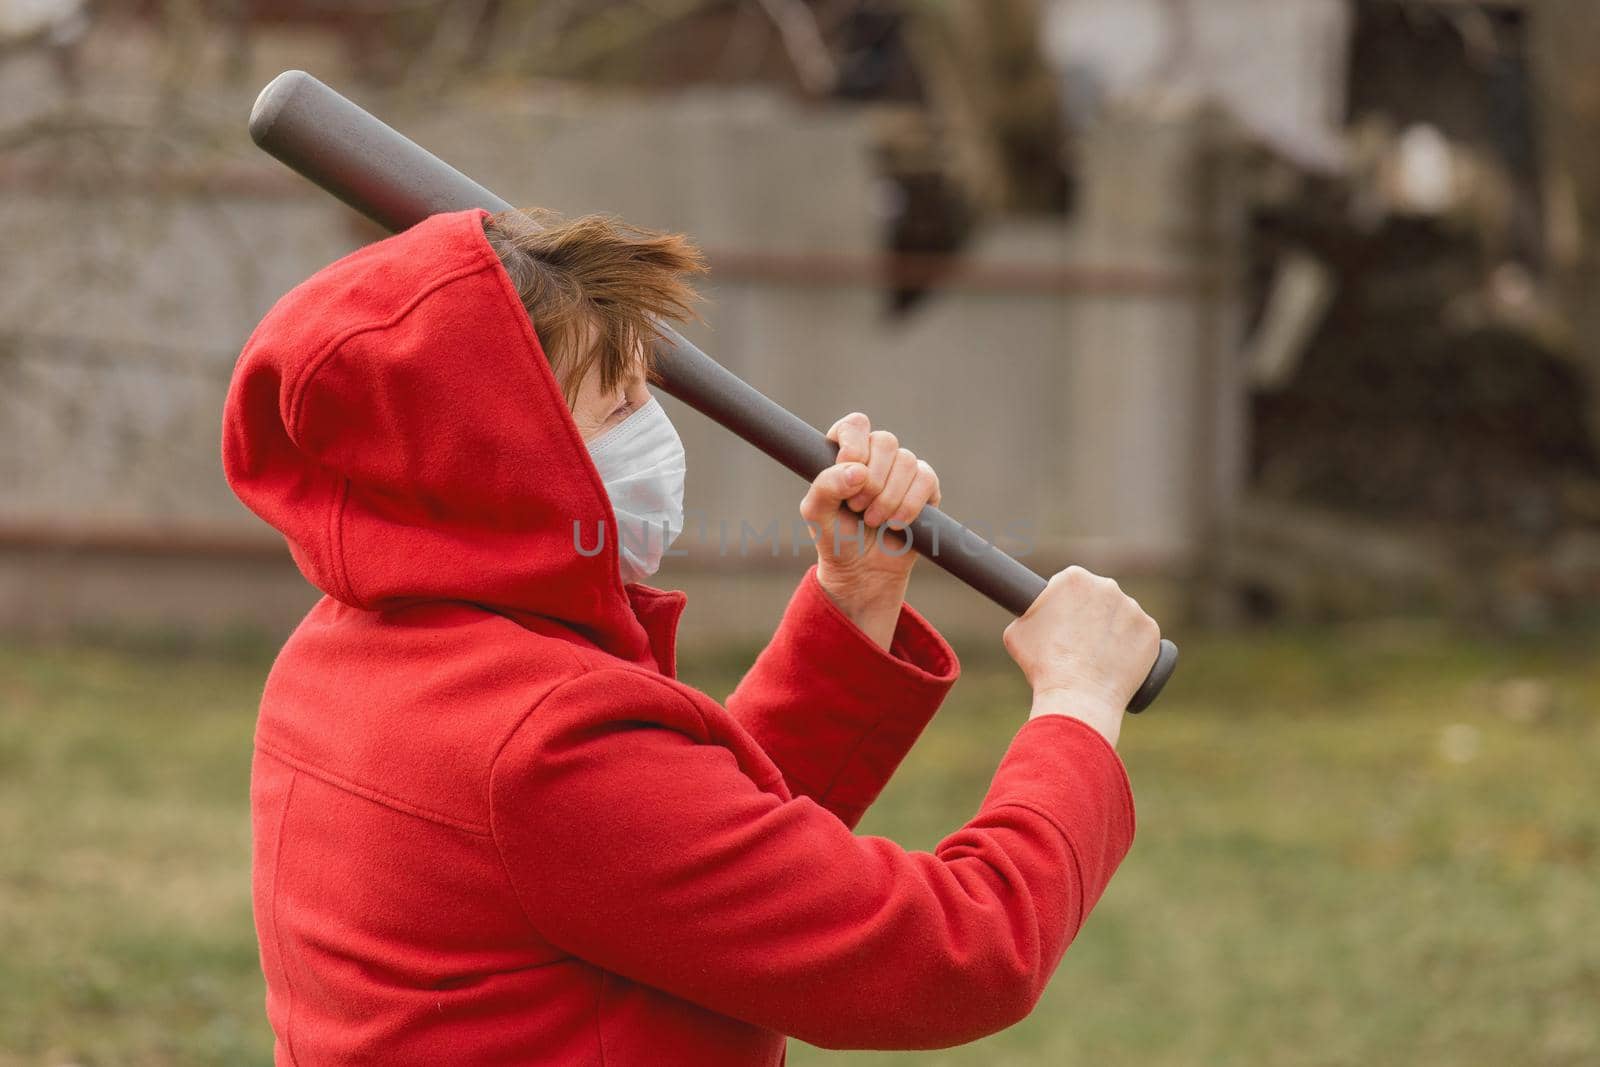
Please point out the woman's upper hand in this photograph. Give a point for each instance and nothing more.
(857, 507)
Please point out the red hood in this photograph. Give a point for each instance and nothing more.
(395, 417)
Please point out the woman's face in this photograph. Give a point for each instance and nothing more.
(596, 410)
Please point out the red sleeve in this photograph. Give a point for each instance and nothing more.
(638, 846)
(835, 711)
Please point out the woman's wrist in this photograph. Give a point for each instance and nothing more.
(1097, 710)
(872, 603)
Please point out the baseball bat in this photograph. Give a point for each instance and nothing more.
(397, 183)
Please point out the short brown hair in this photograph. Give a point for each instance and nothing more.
(594, 273)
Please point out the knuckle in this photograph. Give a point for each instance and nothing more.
(885, 440)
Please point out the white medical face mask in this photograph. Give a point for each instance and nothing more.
(641, 462)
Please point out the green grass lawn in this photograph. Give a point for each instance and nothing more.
(1358, 846)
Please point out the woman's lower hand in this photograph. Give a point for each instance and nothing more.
(856, 509)
(1085, 647)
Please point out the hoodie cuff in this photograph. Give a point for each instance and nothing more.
(1064, 771)
(834, 710)
(918, 655)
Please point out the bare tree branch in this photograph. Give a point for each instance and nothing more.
(802, 38)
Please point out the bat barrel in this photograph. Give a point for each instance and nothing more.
(368, 164)
(397, 183)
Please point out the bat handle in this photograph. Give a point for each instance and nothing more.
(1166, 663)
(1008, 582)
(710, 388)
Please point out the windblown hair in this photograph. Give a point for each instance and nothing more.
(594, 277)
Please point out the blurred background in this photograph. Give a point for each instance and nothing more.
(1284, 312)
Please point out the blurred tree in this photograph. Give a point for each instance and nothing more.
(1568, 81)
(988, 81)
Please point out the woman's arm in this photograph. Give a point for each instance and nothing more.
(853, 674)
(834, 710)
(639, 847)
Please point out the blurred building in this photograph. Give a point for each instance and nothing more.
(1043, 240)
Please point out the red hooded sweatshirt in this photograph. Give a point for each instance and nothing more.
(490, 827)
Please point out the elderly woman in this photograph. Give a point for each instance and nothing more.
(490, 826)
